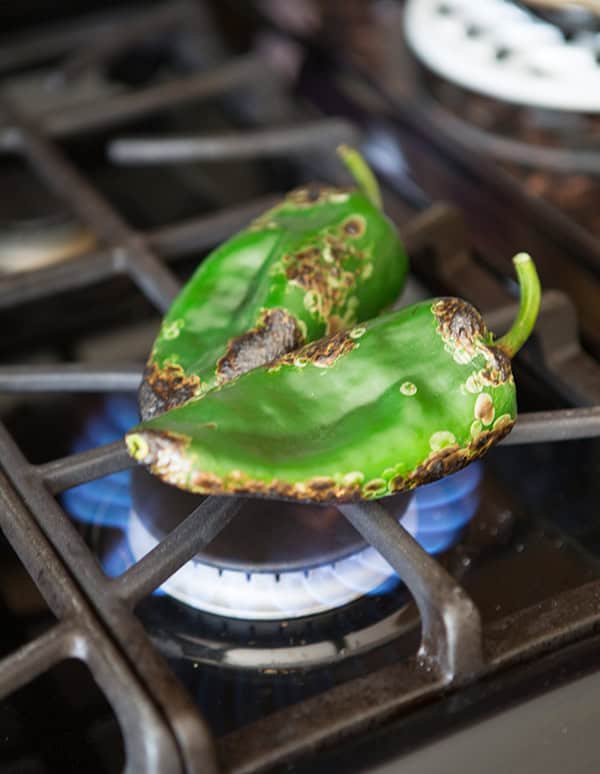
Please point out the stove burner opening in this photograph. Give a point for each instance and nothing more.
(276, 560)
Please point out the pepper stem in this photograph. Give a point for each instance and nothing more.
(361, 172)
(529, 283)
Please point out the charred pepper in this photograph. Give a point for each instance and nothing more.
(320, 261)
(381, 408)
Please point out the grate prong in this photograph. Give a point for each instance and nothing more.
(323, 134)
(450, 623)
(177, 548)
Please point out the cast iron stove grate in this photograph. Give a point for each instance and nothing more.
(161, 727)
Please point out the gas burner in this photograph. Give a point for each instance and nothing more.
(275, 560)
(499, 49)
(280, 560)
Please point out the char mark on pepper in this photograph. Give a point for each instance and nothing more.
(277, 333)
(498, 369)
(327, 284)
(165, 388)
(453, 458)
(315, 490)
(459, 323)
(354, 226)
(315, 193)
(488, 438)
(164, 452)
(439, 464)
(322, 353)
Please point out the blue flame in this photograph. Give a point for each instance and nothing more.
(384, 588)
(106, 502)
(444, 508)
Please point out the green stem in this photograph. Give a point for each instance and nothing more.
(529, 283)
(361, 172)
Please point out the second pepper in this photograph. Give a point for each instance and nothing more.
(320, 261)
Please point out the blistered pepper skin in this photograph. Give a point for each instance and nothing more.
(400, 401)
(320, 261)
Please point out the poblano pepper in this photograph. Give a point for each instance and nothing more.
(388, 405)
(320, 261)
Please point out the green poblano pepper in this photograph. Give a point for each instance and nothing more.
(320, 261)
(381, 408)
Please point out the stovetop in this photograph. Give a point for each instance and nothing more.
(176, 637)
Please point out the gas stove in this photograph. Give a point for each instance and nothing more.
(152, 630)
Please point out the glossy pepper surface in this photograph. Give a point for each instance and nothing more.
(388, 405)
(320, 261)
